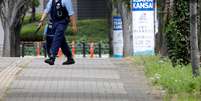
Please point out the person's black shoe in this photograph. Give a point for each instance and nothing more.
(49, 61)
(69, 62)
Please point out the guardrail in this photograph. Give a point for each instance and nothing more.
(84, 49)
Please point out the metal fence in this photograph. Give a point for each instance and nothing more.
(83, 49)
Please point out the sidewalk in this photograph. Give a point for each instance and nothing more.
(5, 62)
(9, 68)
(87, 80)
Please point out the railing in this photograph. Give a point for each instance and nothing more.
(83, 49)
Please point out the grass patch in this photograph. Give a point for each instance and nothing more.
(178, 81)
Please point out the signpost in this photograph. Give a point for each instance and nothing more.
(117, 37)
(143, 27)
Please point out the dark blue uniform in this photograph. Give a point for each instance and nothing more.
(48, 36)
(60, 20)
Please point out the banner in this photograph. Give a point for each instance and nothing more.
(143, 27)
(117, 37)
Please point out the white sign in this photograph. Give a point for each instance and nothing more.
(143, 27)
(117, 37)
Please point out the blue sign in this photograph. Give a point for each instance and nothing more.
(117, 37)
(142, 5)
(117, 22)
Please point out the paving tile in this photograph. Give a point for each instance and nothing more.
(87, 80)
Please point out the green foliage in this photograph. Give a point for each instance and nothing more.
(88, 31)
(175, 81)
(27, 18)
(27, 33)
(36, 3)
(127, 2)
(177, 34)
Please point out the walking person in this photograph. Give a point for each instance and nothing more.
(49, 36)
(61, 12)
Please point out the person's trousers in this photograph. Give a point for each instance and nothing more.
(59, 40)
(49, 40)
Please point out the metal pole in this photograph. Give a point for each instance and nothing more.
(44, 49)
(22, 49)
(84, 50)
(100, 50)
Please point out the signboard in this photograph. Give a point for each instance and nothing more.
(143, 27)
(117, 37)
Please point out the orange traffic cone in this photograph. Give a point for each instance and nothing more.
(73, 49)
(38, 49)
(91, 50)
(59, 54)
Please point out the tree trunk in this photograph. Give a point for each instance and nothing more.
(7, 41)
(195, 55)
(167, 11)
(110, 25)
(11, 14)
(171, 6)
(162, 45)
(1, 1)
(199, 25)
(127, 30)
(127, 27)
(33, 11)
(158, 37)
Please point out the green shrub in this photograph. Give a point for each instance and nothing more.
(27, 33)
(177, 34)
(36, 3)
(88, 31)
(91, 30)
(27, 18)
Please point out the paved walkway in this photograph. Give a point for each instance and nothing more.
(9, 68)
(87, 80)
(6, 62)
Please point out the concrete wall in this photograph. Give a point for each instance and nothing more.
(92, 9)
(1, 38)
(86, 9)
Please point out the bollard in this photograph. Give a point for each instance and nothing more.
(91, 50)
(83, 50)
(99, 50)
(21, 50)
(44, 49)
(37, 49)
(73, 49)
